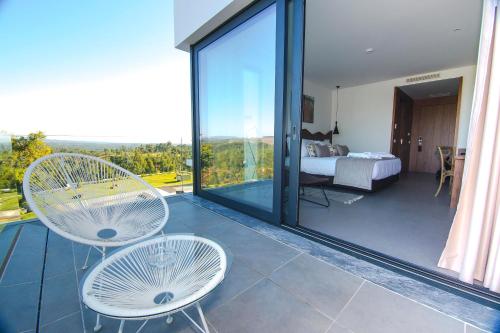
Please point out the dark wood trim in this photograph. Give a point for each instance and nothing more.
(318, 136)
(435, 101)
(394, 107)
(459, 104)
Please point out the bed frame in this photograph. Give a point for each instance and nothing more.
(376, 184)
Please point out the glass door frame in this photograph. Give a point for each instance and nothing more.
(243, 16)
(295, 34)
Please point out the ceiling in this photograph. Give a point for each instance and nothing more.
(440, 88)
(407, 37)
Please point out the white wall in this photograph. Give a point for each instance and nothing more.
(365, 112)
(194, 19)
(322, 107)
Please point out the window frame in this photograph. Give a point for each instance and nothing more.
(273, 216)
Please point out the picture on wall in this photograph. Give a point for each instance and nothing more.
(308, 109)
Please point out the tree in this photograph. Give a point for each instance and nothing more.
(7, 174)
(25, 150)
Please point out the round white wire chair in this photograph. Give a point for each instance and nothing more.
(155, 278)
(92, 201)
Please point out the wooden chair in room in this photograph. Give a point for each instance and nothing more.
(446, 154)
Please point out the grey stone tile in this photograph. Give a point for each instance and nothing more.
(176, 226)
(26, 262)
(195, 218)
(336, 328)
(472, 329)
(259, 252)
(80, 253)
(71, 323)
(19, 307)
(109, 325)
(59, 258)
(7, 236)
(180, 324)
(59, 298)
(239, 278)
(267, 308)
(375, 309)
(174, 199)
(325, 287)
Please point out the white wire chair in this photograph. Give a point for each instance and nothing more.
(92, 201)
(156, 278)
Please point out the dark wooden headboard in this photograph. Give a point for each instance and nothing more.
(318, 136)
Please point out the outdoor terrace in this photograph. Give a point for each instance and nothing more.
(278, 282)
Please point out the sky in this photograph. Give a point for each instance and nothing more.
(237, 80)
(93, 70)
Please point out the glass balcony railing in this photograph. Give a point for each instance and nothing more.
(164, 165)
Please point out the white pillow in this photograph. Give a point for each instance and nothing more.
(305, 142)
(303, 147)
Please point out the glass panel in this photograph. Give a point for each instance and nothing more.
(236, 107)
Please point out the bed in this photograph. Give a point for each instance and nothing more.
(383, 171)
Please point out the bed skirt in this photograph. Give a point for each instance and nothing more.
(377, 184)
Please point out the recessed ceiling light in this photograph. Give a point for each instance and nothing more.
(457, 29)
(369, 50)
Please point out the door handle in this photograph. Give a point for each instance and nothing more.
(401, 140)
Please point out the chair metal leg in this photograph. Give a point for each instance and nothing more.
(98, 325)
(203, 329)
(142, 326)
(326, 197)
(319, 203)
(87, 259)
(122, 323)
(202, 317)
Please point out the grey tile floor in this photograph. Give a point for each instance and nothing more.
(404, 220)
(271, 287)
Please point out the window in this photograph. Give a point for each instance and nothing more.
(236, 107)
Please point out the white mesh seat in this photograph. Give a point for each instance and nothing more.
(92, 201)
(155, 278)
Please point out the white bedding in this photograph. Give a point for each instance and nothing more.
(326, 166)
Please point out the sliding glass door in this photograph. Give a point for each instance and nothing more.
(238, 98)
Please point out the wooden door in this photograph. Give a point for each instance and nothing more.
(401, 128)
(434, 121)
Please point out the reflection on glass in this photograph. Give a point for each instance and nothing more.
(236, 107)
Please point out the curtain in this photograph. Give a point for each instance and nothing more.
(473, 245)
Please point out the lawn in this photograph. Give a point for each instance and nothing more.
(9, 201)
(167, 179)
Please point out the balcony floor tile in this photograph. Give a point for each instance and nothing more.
(374, 309)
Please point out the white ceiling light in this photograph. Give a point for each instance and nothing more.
(369, 50)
